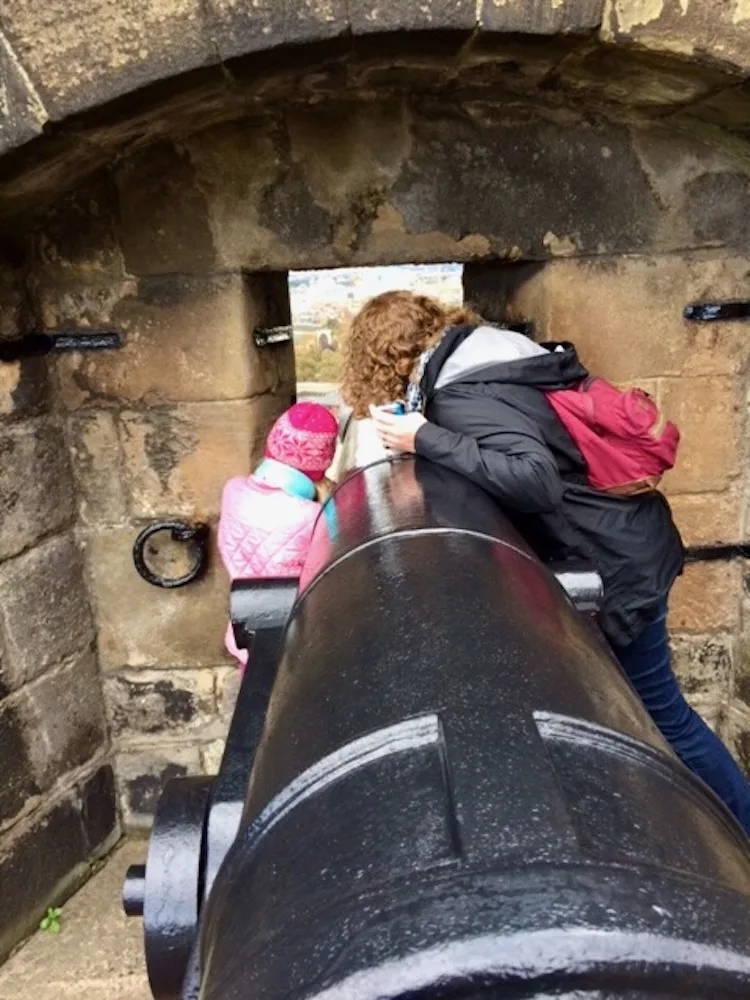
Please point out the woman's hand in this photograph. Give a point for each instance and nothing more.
(397, 432)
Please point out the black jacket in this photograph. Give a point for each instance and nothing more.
(494, 425)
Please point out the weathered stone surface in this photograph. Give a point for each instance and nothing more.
(164, 224)
(22, 115)
(625, 314)
(160, 702)
(142, 774)
(18, 783)
(369, 16)
(79, 56)
(706, 598)
(178, 458)
(742, 660)
(711, 29)
(101, 821)
(541, 17)
(636, 79)
(78, 240)
(484, 174)
(141, 626)
(707, 412)
(211, 755)
(239, 28)
(186, 339)
(703, 665)
(23, 388)
(99, 955)
(41, 863)
(44, 609)
(63, 718)
(707, 518)
(97, 462)
(738, 732)
(36, 490)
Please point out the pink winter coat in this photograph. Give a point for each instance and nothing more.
(263, 532)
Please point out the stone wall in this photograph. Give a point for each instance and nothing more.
(153, 430)
(57, 798)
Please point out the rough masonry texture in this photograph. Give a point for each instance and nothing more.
(164, 165)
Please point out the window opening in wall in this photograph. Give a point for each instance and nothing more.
(325, 302)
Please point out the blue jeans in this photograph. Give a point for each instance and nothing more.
(648, 664)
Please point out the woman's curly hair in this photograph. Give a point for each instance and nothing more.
(387, 336)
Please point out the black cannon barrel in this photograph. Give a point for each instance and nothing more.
(456, 793)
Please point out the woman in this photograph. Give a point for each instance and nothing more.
(476, 399)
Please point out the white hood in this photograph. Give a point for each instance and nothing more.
(483, 348)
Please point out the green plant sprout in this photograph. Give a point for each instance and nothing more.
(51, 921)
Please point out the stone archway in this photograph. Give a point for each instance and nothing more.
(166, 164)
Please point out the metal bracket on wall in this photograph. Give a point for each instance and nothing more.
(271, 336)
(711, 312)
(717, 553)
(181, 531)
(38, 343)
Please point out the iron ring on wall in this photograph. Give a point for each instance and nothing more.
(181, 531)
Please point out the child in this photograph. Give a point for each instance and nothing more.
(267, 518)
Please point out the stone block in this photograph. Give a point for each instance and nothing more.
(97, 462)
(703, 665)
(742, 661)
(36, 488)
(165, 226)
(706, 410)
(44, 609)
(143, 773)
(160, 702)
(77, 239)
(42, 862)
(738, 734)
(187, 339)
(101, 821)
(64, 720)
(23, 388)
(240, 28)
(211, 755)
(706, 598)
(481, 176)
(625, 314)
(80, 55)
(178, 458)
(22, 115)
(707, 518)
(142, 626)
(540, 17)
(710, 30)
(19, 783)
(368, 17)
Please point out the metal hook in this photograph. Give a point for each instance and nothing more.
(181, 531)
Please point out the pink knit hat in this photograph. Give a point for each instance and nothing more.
(304, 437)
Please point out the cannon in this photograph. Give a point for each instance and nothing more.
(438, 783)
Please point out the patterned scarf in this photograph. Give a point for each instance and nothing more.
(414, 397)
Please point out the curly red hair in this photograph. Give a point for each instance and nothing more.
(387, 336)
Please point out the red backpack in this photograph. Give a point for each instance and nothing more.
(625, 441)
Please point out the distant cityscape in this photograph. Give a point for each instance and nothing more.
(324, 303)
